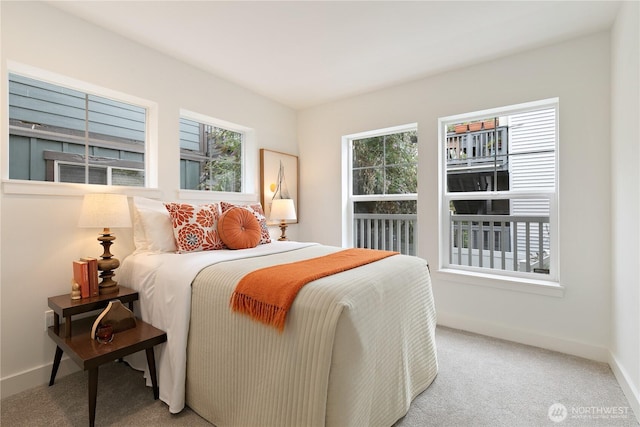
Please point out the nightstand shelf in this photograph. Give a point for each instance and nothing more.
(64, 306)
(74, 339)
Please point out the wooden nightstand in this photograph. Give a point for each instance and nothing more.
(74, 339)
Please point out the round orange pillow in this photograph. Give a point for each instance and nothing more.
(239, 229)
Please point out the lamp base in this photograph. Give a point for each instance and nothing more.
(107, 264)
(283, 228)
(109, 288)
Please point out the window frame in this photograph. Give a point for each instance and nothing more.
(108, 169)
(248, 160)
(19, 186)
(528, 282)
(348, 198)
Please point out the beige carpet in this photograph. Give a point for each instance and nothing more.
(482, 382)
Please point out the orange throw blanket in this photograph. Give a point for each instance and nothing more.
(267, 294)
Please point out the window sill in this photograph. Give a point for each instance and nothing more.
(45, 188)
(517, 284)
(42, 188)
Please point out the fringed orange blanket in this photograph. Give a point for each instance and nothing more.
(267, 294)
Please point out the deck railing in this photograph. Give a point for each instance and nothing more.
(478, 148)
(504, 242)
(391, 232)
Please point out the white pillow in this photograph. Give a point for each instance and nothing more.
(156, 233)
(139, 238)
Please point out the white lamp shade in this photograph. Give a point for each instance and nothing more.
(282, 209)
(105, 211)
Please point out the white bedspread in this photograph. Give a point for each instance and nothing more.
(163, 281)
(357, 347)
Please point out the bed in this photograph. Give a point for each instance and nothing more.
(356, 349)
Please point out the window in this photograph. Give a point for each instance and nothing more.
(499, 190)
(60, 134)
(211, 155)
(383, 186)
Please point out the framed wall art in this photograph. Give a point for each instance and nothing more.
(278, 179)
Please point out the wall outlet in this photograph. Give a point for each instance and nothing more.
(48, 319)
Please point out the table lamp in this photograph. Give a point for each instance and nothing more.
(106, 211)
(282, 210)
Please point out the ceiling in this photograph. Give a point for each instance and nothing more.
(305, 53)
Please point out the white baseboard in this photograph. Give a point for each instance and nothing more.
(626, 384)
(16, 383)
(504, 332)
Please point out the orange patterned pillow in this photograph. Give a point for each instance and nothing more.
(256, 210)
(239, 229)
(195, 227)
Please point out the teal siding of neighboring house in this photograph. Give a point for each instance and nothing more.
(189, 140)
(46, 119)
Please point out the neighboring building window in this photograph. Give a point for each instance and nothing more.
(499, 191)
(211, 156)
(383, 183)
(61, 134)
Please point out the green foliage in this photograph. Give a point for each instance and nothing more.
(386, 164)
(387, 207)
(223, 172)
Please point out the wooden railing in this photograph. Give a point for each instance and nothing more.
(504, 242)
(392, 232)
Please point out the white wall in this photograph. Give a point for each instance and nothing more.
(39, 233)
(598, 170)
(578, 73)
(625, 201)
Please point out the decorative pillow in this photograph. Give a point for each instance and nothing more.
(256, 210)
(152, 228)
(239, 229)
(195, 227)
